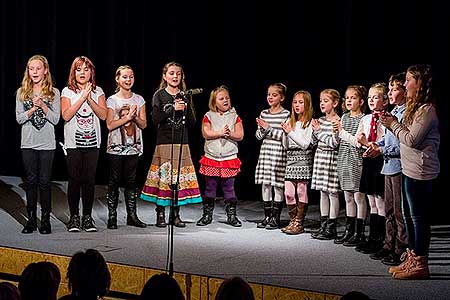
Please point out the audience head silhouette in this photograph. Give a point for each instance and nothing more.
(161, 287)
(235, 288)
(355, 295)
(9, 291)
(40, 281)
(88, 275)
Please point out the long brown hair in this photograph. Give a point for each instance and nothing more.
(422, 74)
(78, 62)
(26, 89)
(163, 83)
(308, 113)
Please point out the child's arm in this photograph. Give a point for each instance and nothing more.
(302, 138)
(238, 133)
(263, 128)
(208, 133)
(53, 111)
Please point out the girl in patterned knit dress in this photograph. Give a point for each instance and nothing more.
(325, 176)
(300, 154)
(350, 162)
(222, 129)
(271, 165)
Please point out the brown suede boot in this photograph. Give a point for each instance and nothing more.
(416, 270)
(297, 226)
(406, 261)
(292, 214)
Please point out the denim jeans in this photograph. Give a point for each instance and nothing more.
(38, 166)
(416, 206)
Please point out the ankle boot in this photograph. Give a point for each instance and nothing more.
(112, 199)
(274, 222)
(267, 214)
(323, 226)
(130, 201)
(230, 208)
(45, 228)
(349, 231)
(208, 208)
(177, 222)
(405, 259)
(160, 216)
(292, 208)
(31, 224)
(297, 226)
(416, 270)
(330, 231)
(359, 237)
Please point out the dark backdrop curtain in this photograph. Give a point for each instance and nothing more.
(308, 45)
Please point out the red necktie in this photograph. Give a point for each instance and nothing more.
(373, 127)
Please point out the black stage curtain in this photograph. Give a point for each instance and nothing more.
(245, 45)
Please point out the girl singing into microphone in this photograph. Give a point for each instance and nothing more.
(168, 112)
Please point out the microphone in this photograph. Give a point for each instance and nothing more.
(191, 92)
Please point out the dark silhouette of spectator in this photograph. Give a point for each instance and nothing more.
(9, 291)
(88, 276)
(235, 288)
(40, 281)
(161, 287)
(355, 295)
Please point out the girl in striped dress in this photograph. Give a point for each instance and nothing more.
(350, 163)
(271, 165)
(325, 176)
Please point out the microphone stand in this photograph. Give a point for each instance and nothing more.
(175, 187)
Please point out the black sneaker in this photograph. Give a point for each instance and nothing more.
(380, 254)
(392, 260)
(74, 224)
(88, 224)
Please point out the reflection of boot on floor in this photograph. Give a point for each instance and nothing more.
(31, 224)
(130, 201)
(208, 208)
(230, 208)
(112, 199)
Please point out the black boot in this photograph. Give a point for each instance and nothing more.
(274, 222)
(378, 240)
(373, 235)
(349, 231)
(208, 208)
(359, 237)
(112, 199)
(31, 224)
(267, 214)
(323, 226)
(130, 201)
(230, 208)
(177, 222)
(160, 216)
(330, 231)
(45, 228)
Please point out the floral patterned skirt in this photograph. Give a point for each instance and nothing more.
(157, 185)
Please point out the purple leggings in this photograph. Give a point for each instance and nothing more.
(227, 187)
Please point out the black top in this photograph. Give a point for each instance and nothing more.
(164, 118)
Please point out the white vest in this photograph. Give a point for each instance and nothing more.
(221, 149)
